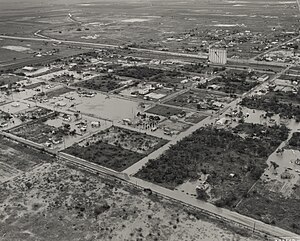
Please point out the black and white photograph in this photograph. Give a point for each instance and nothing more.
(149, 120)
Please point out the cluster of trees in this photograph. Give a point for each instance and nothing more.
(5, 116)
(233, 82)
(270, 207)
(289, 96)
(139, 72)
(273, 105)
(104, 154)
(146, 73)
(275, 134)
(202, 68)
(166, 76)
(295, 140)
(104, 83)
(219, 153)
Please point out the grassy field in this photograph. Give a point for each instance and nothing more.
(166, 111)
(58, 92)
(195, 118)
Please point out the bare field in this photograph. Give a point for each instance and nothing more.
(16, 158)
(181, 26)
(53, 201)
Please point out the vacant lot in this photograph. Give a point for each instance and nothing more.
(37, 132)
(220, 154)
(58, 92)
(54, 202)
(127, 139)
(195, 118)
(16, 158)
(166, 111)
(272, 207)
(9, 79)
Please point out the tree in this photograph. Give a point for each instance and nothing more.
(275, 166)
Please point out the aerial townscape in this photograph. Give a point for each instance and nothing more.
(149, 120)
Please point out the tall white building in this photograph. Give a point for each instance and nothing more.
(218, 56)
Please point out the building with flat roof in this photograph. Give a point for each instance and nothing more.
(218, 56)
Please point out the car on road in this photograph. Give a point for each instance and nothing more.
(154, 128)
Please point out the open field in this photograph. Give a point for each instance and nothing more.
(9, 79)
(16, 158)
(190, 27)
(166, 111)
(54, 201)
(37, 132)
(195, 118)
(58, 92)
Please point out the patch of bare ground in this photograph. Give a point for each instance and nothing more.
(54, 202)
